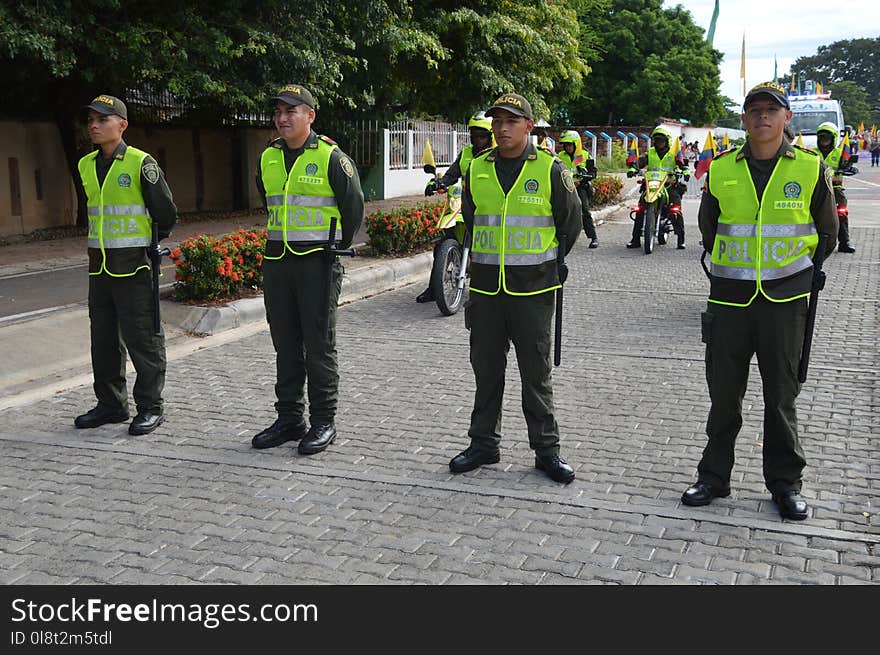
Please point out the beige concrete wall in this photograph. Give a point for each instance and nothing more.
(37, 146)
(255, 141)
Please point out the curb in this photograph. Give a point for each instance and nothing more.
(360, 283)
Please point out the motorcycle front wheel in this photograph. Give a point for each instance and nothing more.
(650, 228)
(444, 277)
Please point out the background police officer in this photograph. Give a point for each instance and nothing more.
(583, 169)
(517, 199)
(827, 138)
(480, 128)
(126, 192)
(762, 209)
(660, 156)
(305, 180)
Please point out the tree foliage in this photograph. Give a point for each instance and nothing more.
(855, 103)
(853, 60)
(653, 62)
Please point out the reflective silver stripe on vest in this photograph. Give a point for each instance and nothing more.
(125, 242)
(492, 258)
(788, 230)
(528, 221)
(119, 210)
(487, 220)
(735, 230)
(748, 273)
(299, 235)
(530, 259)
(302, 201)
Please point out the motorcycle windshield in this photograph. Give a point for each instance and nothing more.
(451, 208)
(654, 182)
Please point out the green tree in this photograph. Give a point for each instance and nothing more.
(654, 62)
(857, 107)
(854, 60)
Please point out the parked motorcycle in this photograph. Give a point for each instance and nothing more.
(450, 269)
(656, 214)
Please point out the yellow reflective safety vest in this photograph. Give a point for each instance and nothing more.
(657, 166)
(757, 243)
(514, 241)
(300, 204)
(118, 217)
(464, 162)
(833, 162)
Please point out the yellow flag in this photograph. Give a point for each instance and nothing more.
(676, 147)
(742, 64)
(873, 129)
(800, 140)
(793, 87)
(726, 142)
(861, 127)
(818, 87)
(428, 154)
(710, 144)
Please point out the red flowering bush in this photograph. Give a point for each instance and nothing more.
(403, 229)
(606, 189)
(211, 268)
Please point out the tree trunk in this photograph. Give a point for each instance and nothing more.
(66, 122)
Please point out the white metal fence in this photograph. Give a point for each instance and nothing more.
(407, 142)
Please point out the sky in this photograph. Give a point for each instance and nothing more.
(786, 29)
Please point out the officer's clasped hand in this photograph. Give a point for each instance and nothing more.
(563, 272)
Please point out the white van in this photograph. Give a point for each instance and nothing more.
(809, 111)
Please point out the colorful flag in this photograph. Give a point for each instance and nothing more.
(873, 129)
(846, 147)
(800, 140)
(742, 64)
(676, 152)
(709, 152)
(793, 86)
(633, 155)
(861, 127)
(428, 154)
(818, 88)
(725, 143)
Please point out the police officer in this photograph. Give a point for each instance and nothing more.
(517, 199)
(660, 157)
(827, 136)
(763, 207)
(126, 192)
(305, 180)
(583, 169)
(480, 128)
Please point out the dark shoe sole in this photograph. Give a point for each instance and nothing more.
(306, 449)
(690, 502)
(474, 467)
(117, 419)
(540, 466)
(141, 431)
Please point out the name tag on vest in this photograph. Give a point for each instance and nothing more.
(788, 204)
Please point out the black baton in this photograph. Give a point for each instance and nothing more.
(815, 288)
(331, 252)
(557, 340)
(155, 256)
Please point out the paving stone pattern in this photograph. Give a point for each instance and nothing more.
(193, 503)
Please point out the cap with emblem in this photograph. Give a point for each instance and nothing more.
(109, 106)
(770, 89)
(514, 103)
(295, 94)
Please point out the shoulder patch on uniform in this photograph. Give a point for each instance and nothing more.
(546, 149)
(567, 180)
(277, 143)
(347, 166)
(150, 171)
(805, 149)
(725, 153)
(327, 139)
(829, 179)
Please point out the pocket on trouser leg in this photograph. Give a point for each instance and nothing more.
(706, 327)
(467, 314)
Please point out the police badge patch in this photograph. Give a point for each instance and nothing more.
(124, 180)
(150, 171)
(347, 166)
(792, 190)
(567, 180)
(531, 186)
(312, 169)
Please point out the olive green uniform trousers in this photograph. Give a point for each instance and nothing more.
(293, 293)
(775, 332)
(121, 317)
(495, 322)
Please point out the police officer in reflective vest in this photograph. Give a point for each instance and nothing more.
(661, 158)
(126, 192)
(762, 210)
(305, 180)
(517, 199)
(583, 169)
(827, 137)
(480, 128)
